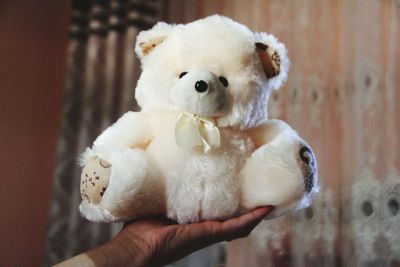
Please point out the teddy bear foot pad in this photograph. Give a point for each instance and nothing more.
(95, 180)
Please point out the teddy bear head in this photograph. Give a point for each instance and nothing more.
(212, 67)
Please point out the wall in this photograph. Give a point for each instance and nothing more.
(33, 39)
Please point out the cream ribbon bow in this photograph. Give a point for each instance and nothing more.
(196, 131)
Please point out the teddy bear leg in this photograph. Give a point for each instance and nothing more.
(120, 184)
(282, 173)
(194, 200)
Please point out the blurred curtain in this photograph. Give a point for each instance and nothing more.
(99, 87)
(342, 95)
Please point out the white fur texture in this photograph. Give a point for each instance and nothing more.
(258, 161)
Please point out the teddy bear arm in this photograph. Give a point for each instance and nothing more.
(267, 132)
(131, 130)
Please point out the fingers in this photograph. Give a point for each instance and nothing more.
(213, 231)
(242, 226)
(149, 223)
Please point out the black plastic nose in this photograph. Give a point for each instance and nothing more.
(201, 86)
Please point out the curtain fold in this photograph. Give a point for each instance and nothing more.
(99, 87)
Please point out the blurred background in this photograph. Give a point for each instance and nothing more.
(68, 70)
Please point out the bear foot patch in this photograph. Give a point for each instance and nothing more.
(95, 179)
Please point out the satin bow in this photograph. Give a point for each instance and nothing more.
(196, 131)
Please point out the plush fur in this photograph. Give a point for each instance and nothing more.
(259, 161)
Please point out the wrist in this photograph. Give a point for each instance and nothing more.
(124, 251)
(114, 253)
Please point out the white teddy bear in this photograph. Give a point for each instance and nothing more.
(202, 147)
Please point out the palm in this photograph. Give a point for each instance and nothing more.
(162, 241)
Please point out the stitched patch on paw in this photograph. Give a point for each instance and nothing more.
(95, 180)
(306, 160)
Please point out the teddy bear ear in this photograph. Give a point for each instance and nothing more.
(147, 41)
(275, 61)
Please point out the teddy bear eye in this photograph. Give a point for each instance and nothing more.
(182, 74)
(223, 80)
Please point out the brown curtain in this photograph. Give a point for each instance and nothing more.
(342, 95)
(99, 87)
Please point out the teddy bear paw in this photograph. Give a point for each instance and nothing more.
(95, 179)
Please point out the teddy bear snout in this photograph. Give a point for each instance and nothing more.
(200, 92)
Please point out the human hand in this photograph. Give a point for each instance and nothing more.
(159, 241)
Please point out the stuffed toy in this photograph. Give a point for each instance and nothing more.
(202, 146)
